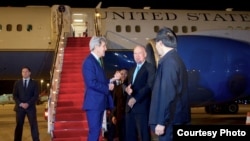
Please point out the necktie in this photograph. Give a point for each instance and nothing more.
(25, 83)
(100, 62)
(135, 73)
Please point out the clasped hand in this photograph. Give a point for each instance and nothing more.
(24, 105)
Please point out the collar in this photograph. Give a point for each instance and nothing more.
(26, 79)
(140, 64)
(96, 57)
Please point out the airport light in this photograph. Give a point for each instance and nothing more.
(47, 86)
(41, 84)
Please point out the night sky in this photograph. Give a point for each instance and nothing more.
(154, 4)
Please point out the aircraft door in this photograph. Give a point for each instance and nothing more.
(60, 20)
(152, 55)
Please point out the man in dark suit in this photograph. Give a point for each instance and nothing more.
(97, 97)
(169, 103)
(25, 94)
(141, 79)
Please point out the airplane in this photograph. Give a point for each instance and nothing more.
(214, 45)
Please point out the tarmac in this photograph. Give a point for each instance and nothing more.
(7, 121)
(7, 124)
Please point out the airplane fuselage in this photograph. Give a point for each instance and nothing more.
(215, 45)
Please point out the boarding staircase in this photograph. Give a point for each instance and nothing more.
(70, 123)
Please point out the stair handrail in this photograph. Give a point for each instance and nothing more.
(56, 70)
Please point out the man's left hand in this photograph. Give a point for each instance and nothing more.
(131, 102)
(159, 129)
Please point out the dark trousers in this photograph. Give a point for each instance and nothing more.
(137, 128)
(32, 118)
(121, 129)
(110, 134)
(117, 130)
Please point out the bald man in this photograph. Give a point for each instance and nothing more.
(140, 82)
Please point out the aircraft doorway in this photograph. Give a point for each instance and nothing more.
(80, 24)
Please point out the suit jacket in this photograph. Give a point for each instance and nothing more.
(142, 87)
(170, 104)
(97, 95)
(29, 95)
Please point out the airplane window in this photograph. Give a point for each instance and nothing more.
(9, 27)
(175, 29)
(230, 27)
(1, 27)
(238, 27)
(137, 28)
(193, 28)
(184, 29)
(156, 28)
(128, 28)
(118, 28)
(29, 27)
(19, 27)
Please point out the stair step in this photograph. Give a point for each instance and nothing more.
(71, 85)
(66, 110)
(71, 90)
(72, 66)
(70, 95)
(68, 103)
(69, 133)
(74, 55)
(71, 139)
(72, 71)
(76, 61)
(75, 139)
(78, 38)
(70, 124)
(71, 79)
(71, 116)
(72, 45)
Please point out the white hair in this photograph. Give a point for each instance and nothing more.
(96, 41)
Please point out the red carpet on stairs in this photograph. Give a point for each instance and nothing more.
(70, 121)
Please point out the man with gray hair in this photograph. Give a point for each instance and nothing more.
(97, 96)
(169, 103)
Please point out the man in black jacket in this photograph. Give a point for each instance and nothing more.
(25, 94)
(169, 103)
